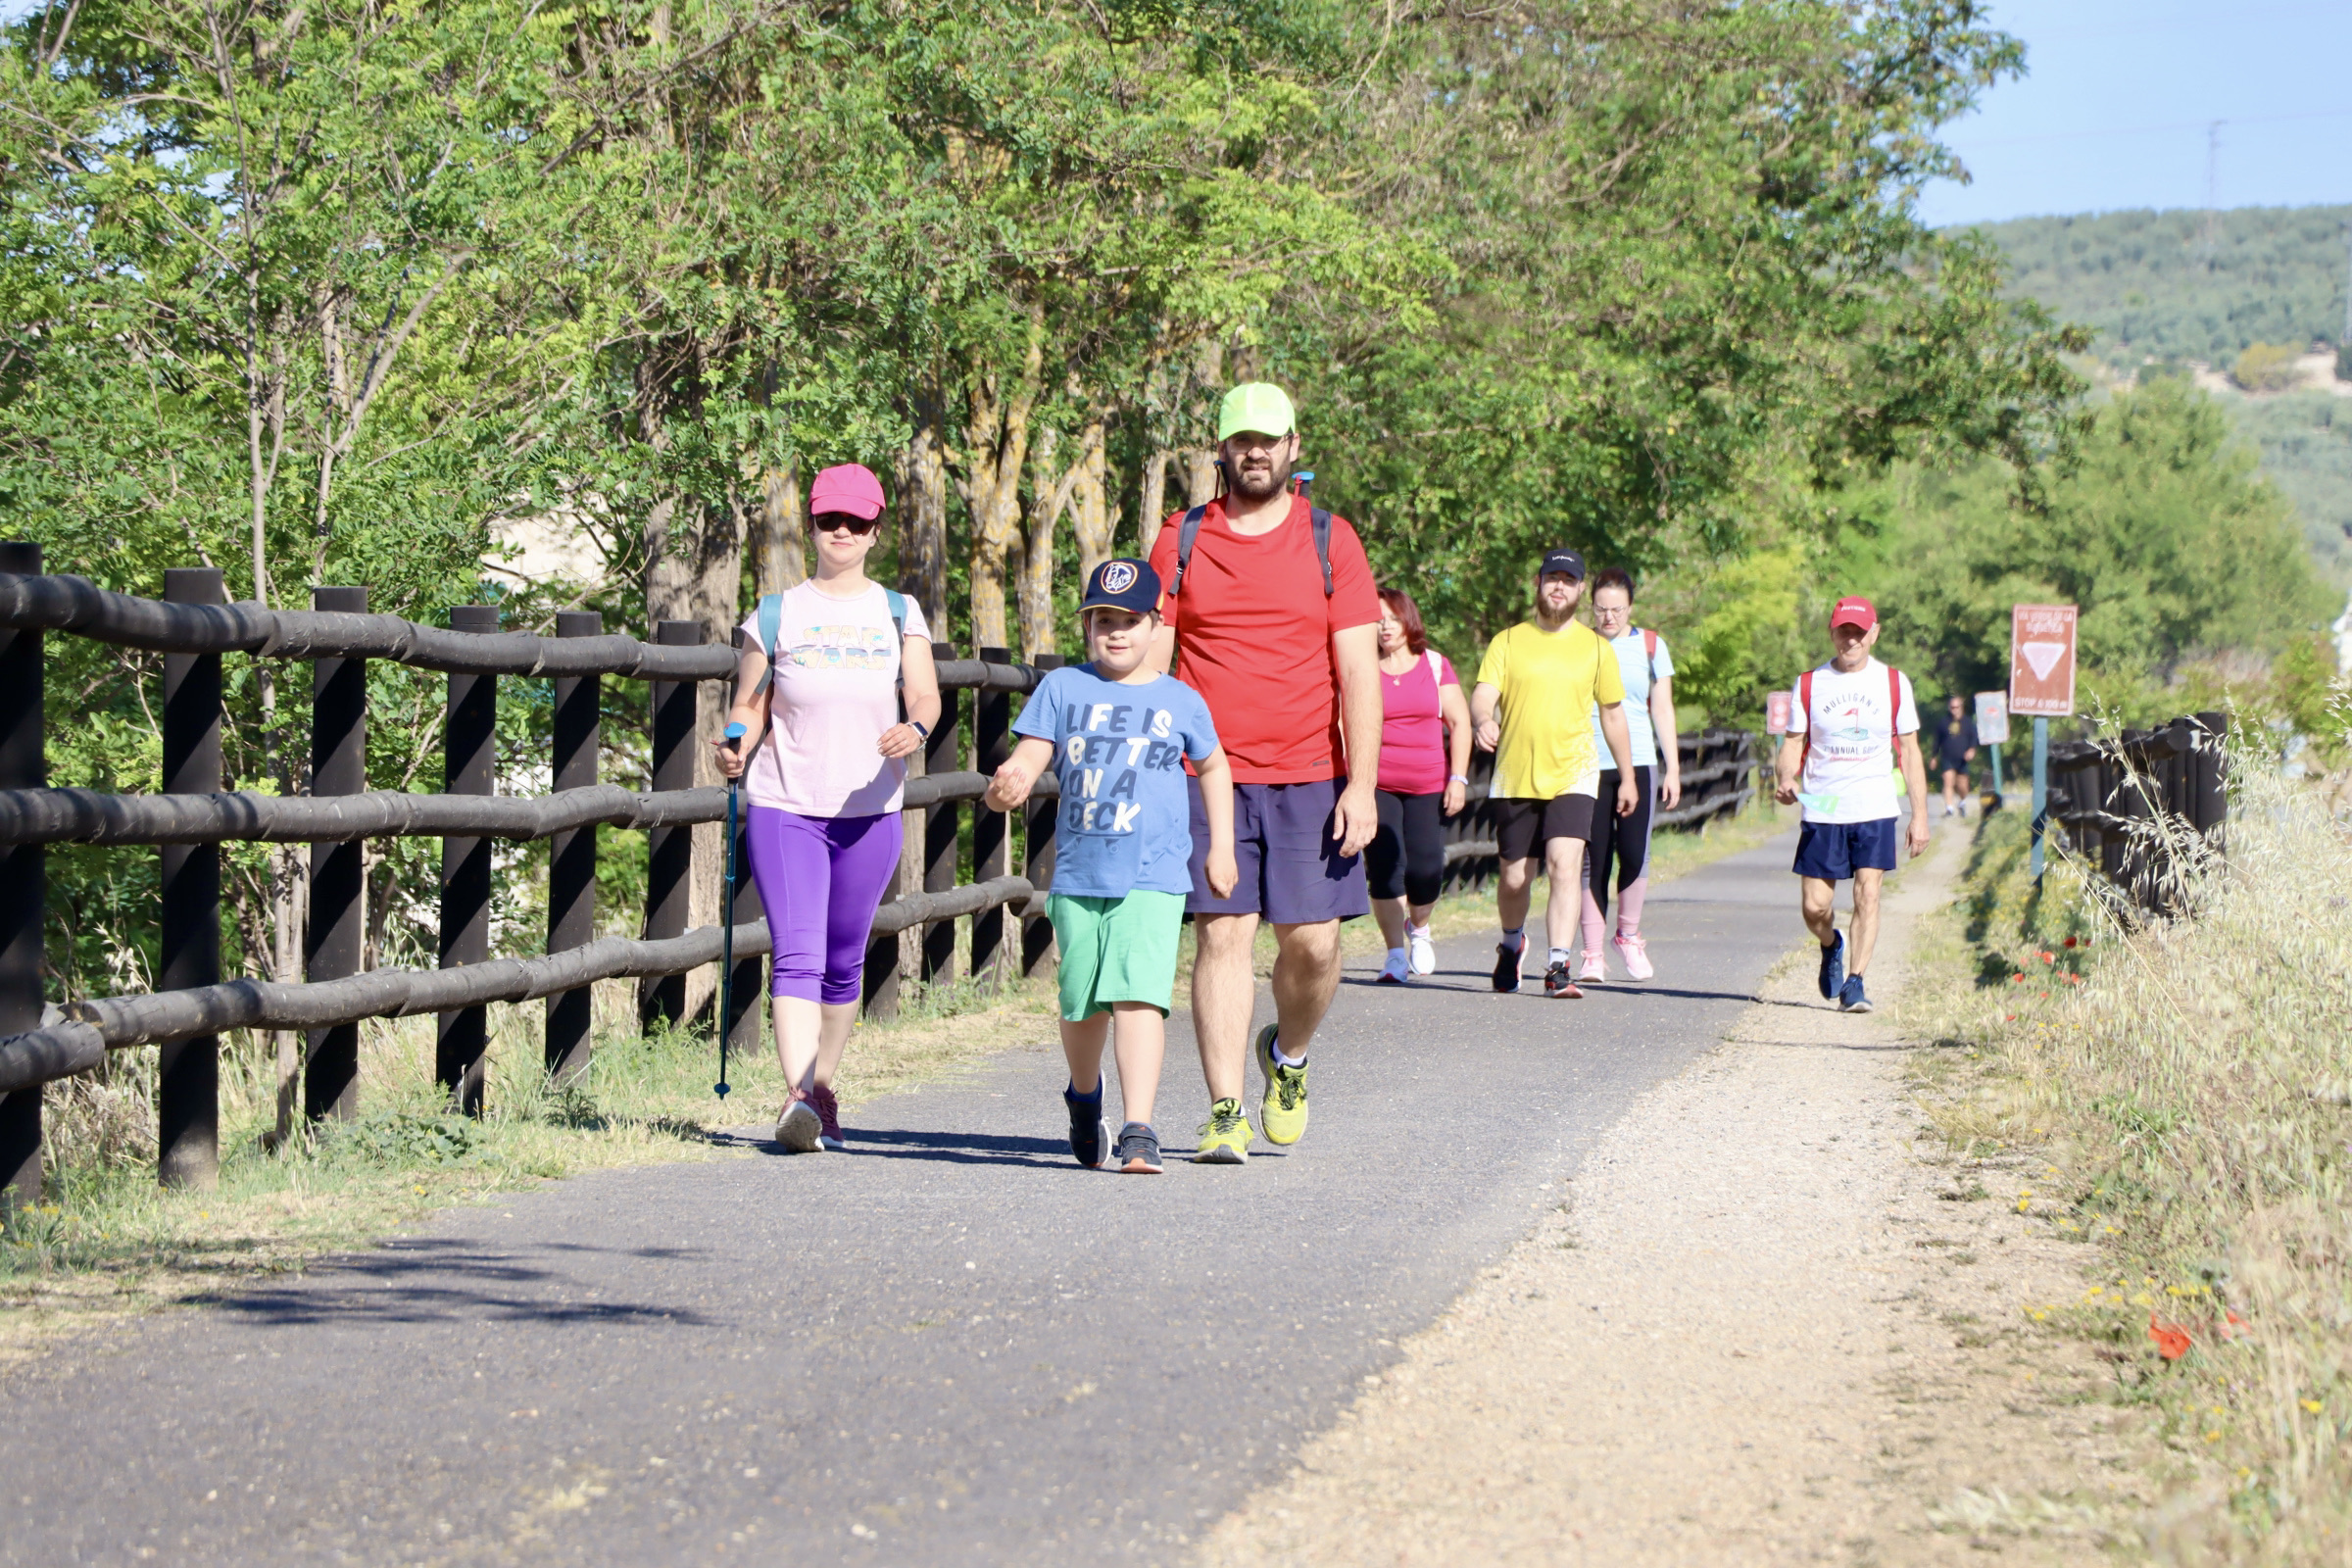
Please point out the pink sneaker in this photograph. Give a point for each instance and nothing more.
(828, 1119)
(1633, 955)
(1592, 972)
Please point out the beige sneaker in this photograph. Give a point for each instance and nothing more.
(800, 1128)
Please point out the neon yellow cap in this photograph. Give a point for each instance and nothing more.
(1259, 406)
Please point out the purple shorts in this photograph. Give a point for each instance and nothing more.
(1291, 870)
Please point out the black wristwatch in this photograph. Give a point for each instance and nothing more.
(919, 727)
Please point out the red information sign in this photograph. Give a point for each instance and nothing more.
(2041, 661)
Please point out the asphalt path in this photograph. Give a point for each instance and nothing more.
(949, 1345)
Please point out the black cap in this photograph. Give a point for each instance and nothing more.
(1562, 559)
(1122, 584)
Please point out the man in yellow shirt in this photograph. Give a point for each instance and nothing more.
(1545, 675)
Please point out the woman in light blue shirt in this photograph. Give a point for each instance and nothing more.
(1649, 671)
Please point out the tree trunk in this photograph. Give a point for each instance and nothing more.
(923, 513)
(694, 571)
(1050, 494)
(1209, 386)
(780, 558)
(1153, 501)
(996, 449)
(1091, 515)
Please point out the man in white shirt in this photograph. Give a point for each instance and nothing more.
(1851, 720)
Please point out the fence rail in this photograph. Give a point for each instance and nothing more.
(192, 1003)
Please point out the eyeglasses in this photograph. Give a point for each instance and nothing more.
(843, 522)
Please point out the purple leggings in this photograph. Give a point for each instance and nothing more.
(820, 879)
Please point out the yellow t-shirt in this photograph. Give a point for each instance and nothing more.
(1549, 682)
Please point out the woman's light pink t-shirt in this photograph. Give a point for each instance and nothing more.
(835, 692)
(1413, 733)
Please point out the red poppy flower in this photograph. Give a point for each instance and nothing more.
(2172, 1339)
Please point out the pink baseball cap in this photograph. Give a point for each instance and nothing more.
(848, 487)
(1855, 611)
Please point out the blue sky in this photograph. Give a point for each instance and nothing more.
(2113, 108)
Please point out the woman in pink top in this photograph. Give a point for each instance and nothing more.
(826, 756)
(1424, 774)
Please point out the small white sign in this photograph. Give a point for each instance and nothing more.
(1992, 718)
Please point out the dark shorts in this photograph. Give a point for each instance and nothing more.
(1522, 827)
(1954, 759)
(1291, 870)
(1836, 851)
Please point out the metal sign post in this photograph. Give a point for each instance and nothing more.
(1992, 730)
(2041, 683)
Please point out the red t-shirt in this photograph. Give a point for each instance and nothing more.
(1253, 638)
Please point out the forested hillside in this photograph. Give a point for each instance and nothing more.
(2156, 285)
(2152, 289)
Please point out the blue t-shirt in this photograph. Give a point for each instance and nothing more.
(1126, 819)
(1638, 667)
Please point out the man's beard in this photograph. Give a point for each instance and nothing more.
(1248, 489)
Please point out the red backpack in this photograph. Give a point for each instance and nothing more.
(1894, 712)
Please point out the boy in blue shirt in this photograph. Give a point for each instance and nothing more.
(1117, 735)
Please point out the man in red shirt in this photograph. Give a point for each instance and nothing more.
(1282, 643)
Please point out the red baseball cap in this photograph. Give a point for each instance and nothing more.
(1855, 611)
(850, 488)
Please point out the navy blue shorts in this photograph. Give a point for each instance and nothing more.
(1291, 870)
(1834, 850)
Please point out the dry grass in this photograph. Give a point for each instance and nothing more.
(2182, 1087)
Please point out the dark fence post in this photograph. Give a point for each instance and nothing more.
(187, 1085)
(571, 856)
(330, 1076)
(23, 766)
(468, 767)
(941, 828)
(670, 851)
(991, 831)
(2114, 841)
(1037, 864)
(2209, 797)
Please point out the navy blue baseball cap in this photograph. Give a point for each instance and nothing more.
(1122, 584)
(1562, 559)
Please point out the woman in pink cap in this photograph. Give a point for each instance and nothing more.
(823, 753)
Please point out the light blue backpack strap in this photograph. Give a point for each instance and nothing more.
(771, 622)
(898, 610)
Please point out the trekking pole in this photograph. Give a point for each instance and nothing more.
(1305, 477)
(726, 927)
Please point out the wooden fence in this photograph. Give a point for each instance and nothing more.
(191, 1004)
(1719, 777)
(2131, 806)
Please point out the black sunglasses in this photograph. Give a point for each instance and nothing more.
(830, 521)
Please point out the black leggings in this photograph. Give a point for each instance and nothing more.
(1625, 839)
(1406, 858)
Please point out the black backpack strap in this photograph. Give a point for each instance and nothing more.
(1189, 530)
(1185, 532)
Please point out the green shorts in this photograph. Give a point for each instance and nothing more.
(1115, 950)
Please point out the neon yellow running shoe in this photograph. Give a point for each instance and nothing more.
(1225, 1135)
(1283, 1113)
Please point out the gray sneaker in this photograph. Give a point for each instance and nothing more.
(1139, 1150)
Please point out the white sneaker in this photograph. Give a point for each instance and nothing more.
(1592, 972)
(1634, 955)
(1424, 952)
(1395, 969)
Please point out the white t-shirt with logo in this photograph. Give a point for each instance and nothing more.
(1849, 765)
(835, 690)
